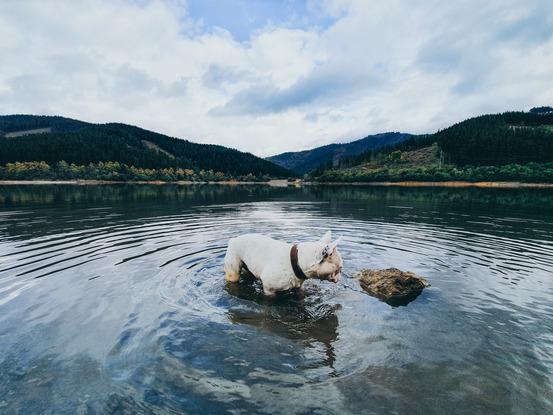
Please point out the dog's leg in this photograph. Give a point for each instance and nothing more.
(232, 265)
(267, 278)
(269, 292)
(232, 276)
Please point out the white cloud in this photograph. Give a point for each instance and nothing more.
(394, 66)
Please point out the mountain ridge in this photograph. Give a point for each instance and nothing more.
(305, 161)
(82, 143)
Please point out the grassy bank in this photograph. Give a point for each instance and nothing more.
(86, 182)
(525, 173)
(451, 184)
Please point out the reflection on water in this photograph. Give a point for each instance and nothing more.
(297, 315)
(113, 300)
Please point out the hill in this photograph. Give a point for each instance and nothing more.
(52, 139)
(511, 137)
(510, 146)
(306, 161)
(14, 124)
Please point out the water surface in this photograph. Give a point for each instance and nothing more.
(113, 300)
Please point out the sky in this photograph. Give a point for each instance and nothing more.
(269, 76)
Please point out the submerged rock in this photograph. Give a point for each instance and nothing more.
(391, 285)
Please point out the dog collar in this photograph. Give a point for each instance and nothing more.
(294, 261)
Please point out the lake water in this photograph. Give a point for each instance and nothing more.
(113, 300)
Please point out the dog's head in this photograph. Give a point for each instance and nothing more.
(325, 261)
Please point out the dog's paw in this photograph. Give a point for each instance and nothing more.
(269, 293)
(232, 276)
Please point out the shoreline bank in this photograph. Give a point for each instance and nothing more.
(457, 184)
(107, 182)
(284, 183)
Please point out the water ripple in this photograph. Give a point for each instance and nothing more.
(145, 298)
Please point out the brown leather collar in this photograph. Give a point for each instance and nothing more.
(295, 266)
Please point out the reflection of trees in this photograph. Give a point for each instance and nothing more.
(293, 315)
(197, 194)
(435, 197)
(140, 202)
(69, 194)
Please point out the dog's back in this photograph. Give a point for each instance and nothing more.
(248, 249)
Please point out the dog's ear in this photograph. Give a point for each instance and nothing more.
(327, 249)
(325, 252)
(326, 238)
(334, 244)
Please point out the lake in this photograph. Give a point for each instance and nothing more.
(113, 300)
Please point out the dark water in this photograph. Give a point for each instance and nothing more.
(113, 300)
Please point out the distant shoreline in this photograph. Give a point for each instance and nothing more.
(154, 182)
(284, 183)
(458, 184)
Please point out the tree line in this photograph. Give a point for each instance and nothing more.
(113, 171)
(530, 172)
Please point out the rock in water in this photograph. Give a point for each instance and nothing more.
(391, 285)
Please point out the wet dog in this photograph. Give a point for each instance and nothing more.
(281, 266)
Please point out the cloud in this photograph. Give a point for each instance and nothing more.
(218, 76)
(528, 26)
(326, 84)
(313, 73)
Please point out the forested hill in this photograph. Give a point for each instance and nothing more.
(511, 137)
(15, 124)
(26, 138)
(508, 146)
(305, 161)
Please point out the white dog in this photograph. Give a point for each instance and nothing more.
(281, 266)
